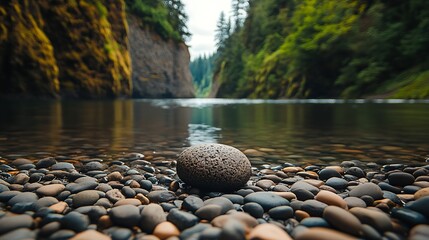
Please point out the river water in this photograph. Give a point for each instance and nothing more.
(270, 132)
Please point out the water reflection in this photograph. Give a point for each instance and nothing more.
(291, 129)
(202, 133)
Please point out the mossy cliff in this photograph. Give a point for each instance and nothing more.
(70, 48)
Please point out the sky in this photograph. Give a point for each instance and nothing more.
(203, 16)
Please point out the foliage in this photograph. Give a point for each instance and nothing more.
(165, 17)
(324, 48)
(202, 74)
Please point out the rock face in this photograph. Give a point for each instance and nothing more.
(82, 49)
(215, 167)
(160, 67)
(78, 50)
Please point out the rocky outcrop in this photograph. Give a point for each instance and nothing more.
(160, 67)
(81, 49)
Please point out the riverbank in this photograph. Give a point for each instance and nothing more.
(141, 197)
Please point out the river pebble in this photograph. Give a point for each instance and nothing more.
(125, 215)
(92, 197)
(266, 200)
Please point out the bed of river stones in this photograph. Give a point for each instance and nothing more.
(135, 197)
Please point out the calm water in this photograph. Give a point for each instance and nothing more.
(296, 131)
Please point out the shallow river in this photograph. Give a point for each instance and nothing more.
(311, 131)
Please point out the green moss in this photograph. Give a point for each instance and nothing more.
(102, 10)
(417, 87)
(33, 66)
(75, 48)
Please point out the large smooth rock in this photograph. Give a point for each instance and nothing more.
(50, 190)
(85, 198)
(90, 234)
(24, 197)
(369, 189)
(400, 179)
(323, 234)
(166, 230)
(420, 205)
(14, 222)
(268, 231)
(313, 207)
(215, 167)
(125, 215)
(266, 199)
(75, 221)
(182, 219)
(192, 203)
(152, 215)
(342, 220)
(331, 198)
(376, 219)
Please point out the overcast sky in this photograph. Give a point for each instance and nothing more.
(203, 16)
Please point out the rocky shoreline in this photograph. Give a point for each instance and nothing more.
(137, 197)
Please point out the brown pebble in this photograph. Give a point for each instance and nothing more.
(376, 219)
(128, 201)
(406, 197)
(419, 232)
(314, 182)
(90, 234)
(165, 230)
(59, 207)
(300, 215)
(339, 169)
(287, 195)
(318, 233)
(342, 220)
(265, 184)
(309, 174)
(292, 169)
(104, 222)
(421, 193)
(331, 198)
(244, 218)
(422, 184)
(144, 200)
(268, 231)
(114, 176)
(50, 190)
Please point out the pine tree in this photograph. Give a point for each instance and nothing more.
(178, 17)
(239, 12)
(223, 29)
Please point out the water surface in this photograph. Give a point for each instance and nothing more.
(308, 131)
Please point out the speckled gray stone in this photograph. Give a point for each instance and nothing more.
(214, 167)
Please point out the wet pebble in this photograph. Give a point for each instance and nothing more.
(400, 179)
(369, 189)
(75, 221)
(10, 223)
(268, 231)
(125, 215)
(85, 198)
(266, 200)
(281, 212)
(159, 196)
(50, 190)
(342, 220)
(151, 216)
(253, 209)
(182, 219)
(23, 197)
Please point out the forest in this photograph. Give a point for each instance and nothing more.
(320, 49)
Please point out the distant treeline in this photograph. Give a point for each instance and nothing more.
(323, 48)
